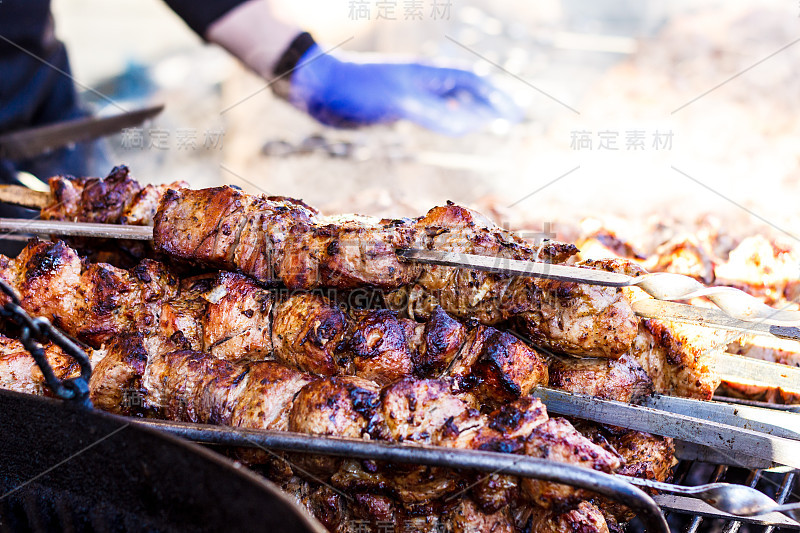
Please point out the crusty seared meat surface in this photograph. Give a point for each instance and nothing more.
(584, 517)
(307, 331)
(558, 440)
(677, 357)
(280, 239)
(115, 199)
(643, 455)
(19, 372)
(623, 379)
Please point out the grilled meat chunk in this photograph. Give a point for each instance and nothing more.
(466, 517)
(306, 331)
(237, 322)
(584, 517)
(115, 199)
(498, 365)
(349, 252)
(380, 346)
(19, 372)
(643, 455)
(558, 440)
(442, 338)
(338, 406)
(115, 383)
(677, 357)
(623, 380)
(92, 199)
(196, 387)
(225, 228)
(92, 302)
(416, 410)
(685, 256)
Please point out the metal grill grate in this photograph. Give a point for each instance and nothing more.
(780, 484)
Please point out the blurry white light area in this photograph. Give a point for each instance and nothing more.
(32, 182)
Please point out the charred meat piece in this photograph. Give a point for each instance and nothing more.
(92, 199)
(584, 517)
(115, 383)
(677, 357)
(306, 331)
(466, 517)
(348, 252)
(237, 323)
(416, 410)
(92, 302)
(623, 380)
(643, 455)
(381, 346)
(115, 199)
(19, 372)
(338, 406)
(498, 365)
(442, 338)
(558, 440)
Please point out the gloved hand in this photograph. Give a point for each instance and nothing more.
(350, 94)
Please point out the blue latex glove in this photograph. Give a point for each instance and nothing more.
(348, 94)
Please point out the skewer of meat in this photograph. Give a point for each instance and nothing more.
(279, 239)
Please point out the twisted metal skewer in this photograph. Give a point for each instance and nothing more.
(734, 302)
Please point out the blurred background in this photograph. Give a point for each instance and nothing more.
(639, 113)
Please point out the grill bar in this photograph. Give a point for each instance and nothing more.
(783, 493)
(719, 471)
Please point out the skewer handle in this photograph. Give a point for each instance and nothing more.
(23, 196)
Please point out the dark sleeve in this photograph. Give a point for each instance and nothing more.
(200, 15)
(297, 49)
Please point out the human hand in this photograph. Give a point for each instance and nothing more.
(350, 94)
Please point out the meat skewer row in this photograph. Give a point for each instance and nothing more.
(277, 238)
(233, 317)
